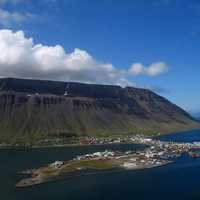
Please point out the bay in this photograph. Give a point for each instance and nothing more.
(180, 180)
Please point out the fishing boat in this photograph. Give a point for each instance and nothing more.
(194, 154)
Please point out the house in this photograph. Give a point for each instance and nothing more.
(57, 164)
(66, 93)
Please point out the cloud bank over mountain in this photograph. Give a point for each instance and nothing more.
(21, 57)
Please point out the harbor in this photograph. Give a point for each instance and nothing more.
(156, 154)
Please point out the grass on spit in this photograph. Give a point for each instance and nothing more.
(75, 165)
(93, 164)
(87, 164)
(50, 171)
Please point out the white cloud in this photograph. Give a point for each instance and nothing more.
(157, 68)
(152, 70)
(20, 57)
(136, 69)
(7, 18)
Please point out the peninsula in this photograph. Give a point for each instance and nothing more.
(156, 153)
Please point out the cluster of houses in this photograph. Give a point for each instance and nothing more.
(97, 155)
(94, 140)
(111, 140)
(57, 164)
(156, 153)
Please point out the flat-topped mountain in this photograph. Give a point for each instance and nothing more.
(34, 109)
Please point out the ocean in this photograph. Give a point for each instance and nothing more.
(179, 180)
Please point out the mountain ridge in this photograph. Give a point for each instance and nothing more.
(33, 109)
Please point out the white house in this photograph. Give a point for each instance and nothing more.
(57, 164)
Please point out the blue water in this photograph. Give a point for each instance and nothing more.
(188, 136)
(180, 180)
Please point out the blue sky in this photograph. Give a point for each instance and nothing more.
(165, 33)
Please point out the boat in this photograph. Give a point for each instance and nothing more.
(194, 155)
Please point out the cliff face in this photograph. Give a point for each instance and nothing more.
(33, 109)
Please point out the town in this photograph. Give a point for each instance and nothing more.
(155, 153)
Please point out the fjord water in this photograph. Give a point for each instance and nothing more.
(180, 180)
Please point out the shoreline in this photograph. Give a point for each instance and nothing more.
(13, 147)
(34, 181)
(61, 146)
(30, 182)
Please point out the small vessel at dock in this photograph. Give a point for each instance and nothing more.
(194, 154)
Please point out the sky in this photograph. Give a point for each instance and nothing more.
(152, 44)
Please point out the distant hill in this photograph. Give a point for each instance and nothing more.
(34, 109)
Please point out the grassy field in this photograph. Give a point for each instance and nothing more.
(92, 164)
(75, 165)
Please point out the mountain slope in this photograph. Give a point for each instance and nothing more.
(31, 109)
